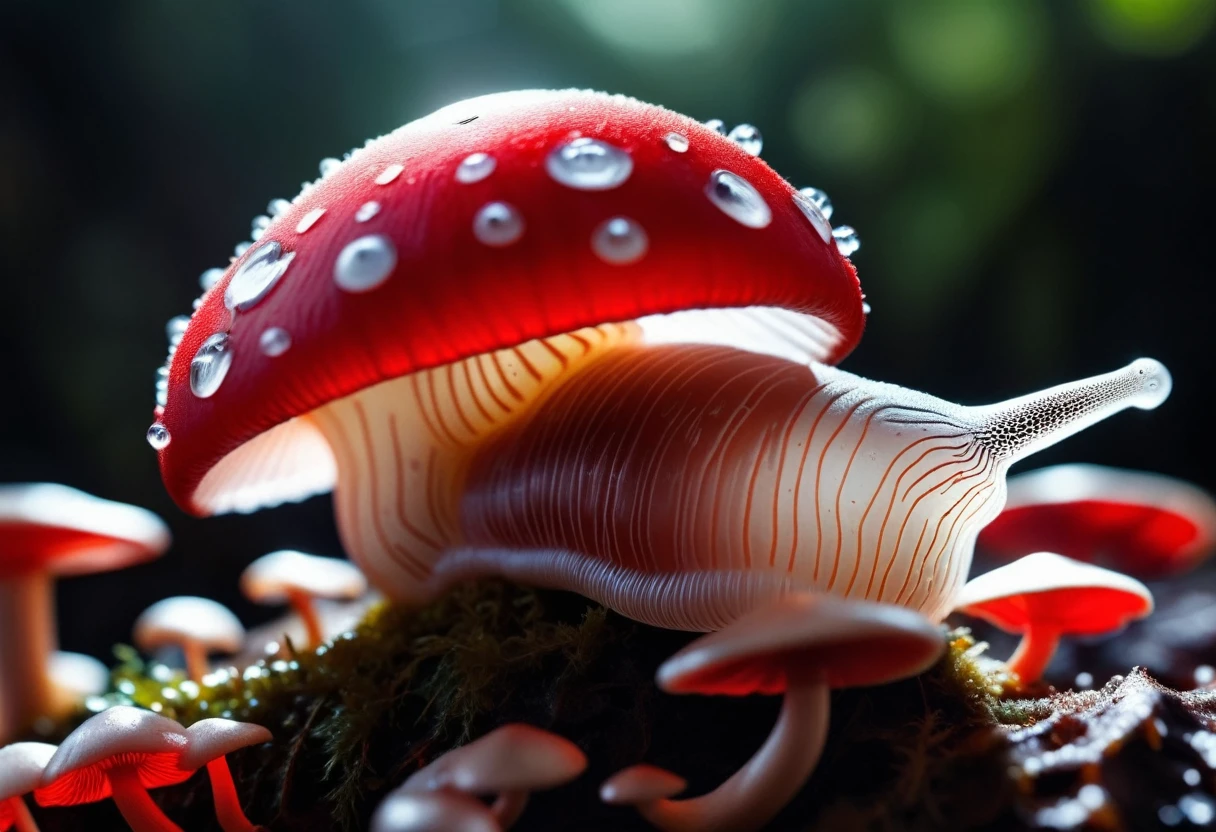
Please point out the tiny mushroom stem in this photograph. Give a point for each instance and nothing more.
(210, 741)
(1045, 596)
(1034, 652)
(136, 806)
(302, 604)
(802, 645)
(22, 819)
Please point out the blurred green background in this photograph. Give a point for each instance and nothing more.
(1032, 183)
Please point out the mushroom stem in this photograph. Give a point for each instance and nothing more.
(228, 809)
(137, 808)
(23, 820)
(304, 607)
(1020, 427)
(508, 806)
(774, 774)
(197, 665)
(1034, 653)
(27, 607)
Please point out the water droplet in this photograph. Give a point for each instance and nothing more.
(329, 165)
(475, 168)
(274, 341)
(1192, 777)
(717, 125)
(820, 199)
(257, 276)
(1204, 675)
(365, 263)
(620, 240)
(210, 365)
(1084, 681)
(736, 197)
(177, 326)
(241, 248)
(309, 220)
(260, 222)
(158, 436)
(865, 310)
(676, 142)
(209, 278)
(498, 224)
(389, 174)
(589, 165)
(277, 207)
(367, 210)
(812, 212)
(747, 137)
(256, 234)
(846, 240)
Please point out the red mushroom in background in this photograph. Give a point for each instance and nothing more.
(1146, 524)
(49, 531)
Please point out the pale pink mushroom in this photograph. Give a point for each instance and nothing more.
(641, 784)
(404, 811)
(210, 741)
(48, 531)
(1045, 596)
(21, 767)
(802, 645)
(198, 626)
(289, 577)
(510, 762)
(120, 753)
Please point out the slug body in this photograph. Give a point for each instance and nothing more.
(684, 484)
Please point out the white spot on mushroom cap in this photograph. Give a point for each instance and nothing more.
(367, 210)
(309, 220)
(365, 263)
(389, 174)
(171, 621)
(118, 730)
(272, 578)
(213, 738)
(498, 224)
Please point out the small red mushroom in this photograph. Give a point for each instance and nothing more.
(211, 740)
(1134, 521)
(120, 753)
(21, 767)
(50, 531)
(802, 645)
(1045, 596)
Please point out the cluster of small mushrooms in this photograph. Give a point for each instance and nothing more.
(582, 342)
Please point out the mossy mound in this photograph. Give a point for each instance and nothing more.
(353, 719)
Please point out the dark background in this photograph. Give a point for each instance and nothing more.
(1033, 184)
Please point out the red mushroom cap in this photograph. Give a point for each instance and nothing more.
(1053, 592)
(377, 271)
(848, 643)
(68, 532)
(120, 736)
(1134, 521)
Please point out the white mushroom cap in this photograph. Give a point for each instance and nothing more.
(211, 739)
(432, 812)
(76, 676)
(188, 618)
(152, 743)
(513, 757)
(80, 533)
(21, 767)
(273, 578)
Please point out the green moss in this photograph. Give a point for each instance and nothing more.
(353, 719)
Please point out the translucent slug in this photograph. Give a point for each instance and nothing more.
(684, 484)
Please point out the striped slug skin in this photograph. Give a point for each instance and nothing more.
(684, 484)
